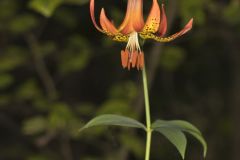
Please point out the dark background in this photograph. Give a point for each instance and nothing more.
(57, 72)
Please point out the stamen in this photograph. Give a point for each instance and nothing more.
(141, 55)
(124, 58)
(132, 56)
(134, 59)
(129, 65)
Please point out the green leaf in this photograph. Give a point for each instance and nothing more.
(172, 58)
(116, 106)
(45, 7)
(75, 56)
(133, 143)
(12, 57)
(16, 24)
(34, 125)
(28, 90)
(176, 137)
(114, 120)
(200, 138)
(6, 80)
(60, 116)
(182, 126)
(4, 100)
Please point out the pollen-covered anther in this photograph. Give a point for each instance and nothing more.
(132, 59)
(132, 56)
(124, 58)
(140, 61)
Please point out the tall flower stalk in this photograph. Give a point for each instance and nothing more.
(132, 28)
(148, 114)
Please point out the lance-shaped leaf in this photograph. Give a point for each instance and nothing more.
(113, 120)
(182, 126)
(176, 137)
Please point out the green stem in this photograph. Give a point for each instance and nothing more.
(148, 116)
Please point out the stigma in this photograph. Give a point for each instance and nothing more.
(132, 56)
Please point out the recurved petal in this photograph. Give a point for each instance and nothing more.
(170, 38)
(153, 20)
(187, 27)
(163, 22)
(107, 26)
(126, 20)
(92, 11)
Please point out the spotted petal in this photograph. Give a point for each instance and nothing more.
(121, 38)
(187, 28)
(107, 26)
(153, 20)
(110, 29)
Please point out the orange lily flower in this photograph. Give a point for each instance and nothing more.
(134, 26)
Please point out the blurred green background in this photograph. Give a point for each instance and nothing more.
(57, 72)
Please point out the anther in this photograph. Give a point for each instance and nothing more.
(134, 58)
(124, 58)
(141, 60)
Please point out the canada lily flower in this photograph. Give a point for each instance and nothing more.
(134, 26)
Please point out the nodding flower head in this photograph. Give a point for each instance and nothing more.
(133, 27)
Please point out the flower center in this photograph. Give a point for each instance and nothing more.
(132, 56)
(133, 43)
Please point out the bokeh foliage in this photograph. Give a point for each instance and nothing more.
(57, 72)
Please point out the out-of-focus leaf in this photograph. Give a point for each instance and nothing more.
(8, 9)
(134, 144)
(66, 18)
(5, 80)
(23, 23)
(126, 91)
(13, 57)
(4, 100)
(232, 12)
(182, 126)
(47, 48)
(195, 9)
(116, 106)
(41, 103)
(28, 90)
(74, 123)
(34, 125)
(60, 116)
(90, 158)
(76, 55)
(45, 7)
(85, 108)
(38, 157)
(113, 120)
(172, 57)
